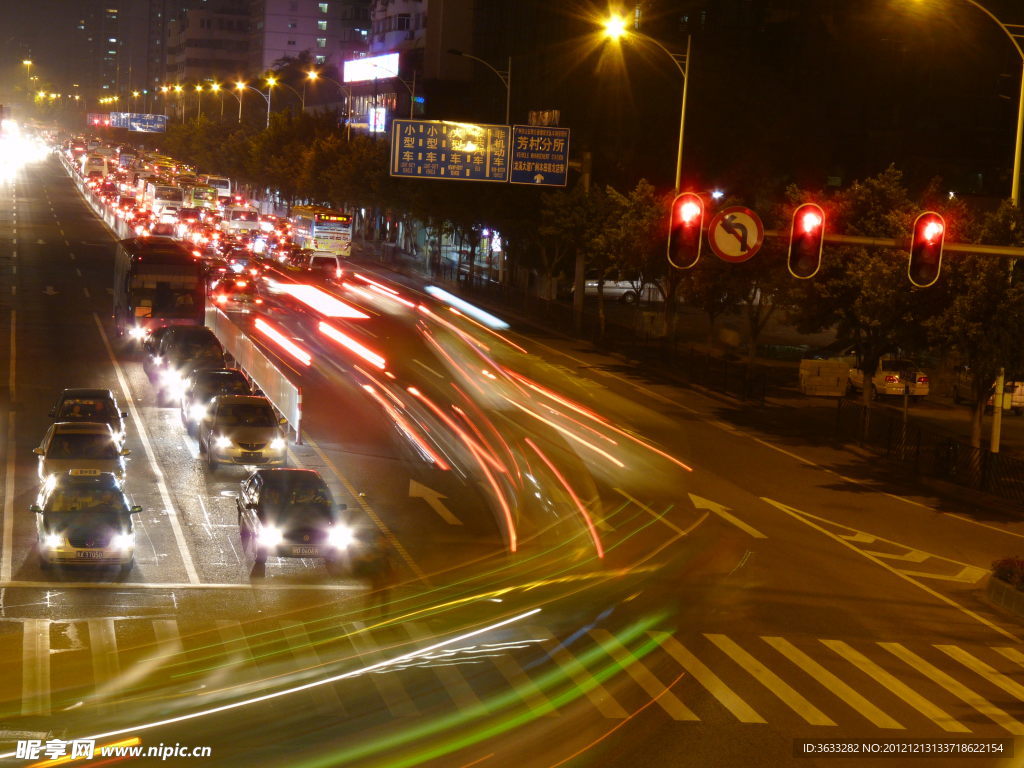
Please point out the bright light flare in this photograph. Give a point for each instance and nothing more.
(321, 301)
(932, 231)
(353, 346)
(615, 27)
(283, 341)
(475, 312)
(689, 211)
(810, 221)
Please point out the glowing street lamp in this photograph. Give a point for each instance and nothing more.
(615, 27)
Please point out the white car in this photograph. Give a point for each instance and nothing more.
(891, 377)
(80, 445)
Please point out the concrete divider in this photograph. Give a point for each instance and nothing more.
(286, 396)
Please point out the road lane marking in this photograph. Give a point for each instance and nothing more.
(451, 678)
(579, 674)
(713, 506)
(832, 683)
(958, 689)
(361, 501)
(712, 683)
(976, 665)
(782, 690)
(896, 686)
(520, 682)
(643, 676)
(6, 568)
(299, 644)
(165, 495)
(806, 519)
(106, 667)
(388, 685)
(35, 664)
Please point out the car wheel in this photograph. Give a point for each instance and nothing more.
(1017, 411)
(874, 392)
(629, 297)
(126, 568)
(917, 398)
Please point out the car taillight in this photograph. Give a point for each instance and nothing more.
(892, 379)
(221, 298)
(922, 379)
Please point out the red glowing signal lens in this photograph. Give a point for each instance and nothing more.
(810, 221)
(689, 211)
(932, 230)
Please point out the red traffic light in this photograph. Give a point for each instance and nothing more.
(806, 240)
(925, 261)
(684, 233)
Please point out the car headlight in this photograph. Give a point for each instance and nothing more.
(221, 442)
(53, 540)
(269, 536)
(197, 412)
(277, 444)
(340, 536)
(138, 332)
(123, 541)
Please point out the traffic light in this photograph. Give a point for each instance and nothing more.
(806, 239)
(684, 233)
(926, 249)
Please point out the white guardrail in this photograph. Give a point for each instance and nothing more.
(282, 393)
(286, 396)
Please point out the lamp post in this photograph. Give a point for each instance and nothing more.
(615, 28)
(302, 96)
(240, 87)
(28, 71)
(504, 75)
(271, 82)
(178, 88)
(199, 101)
(312, 76)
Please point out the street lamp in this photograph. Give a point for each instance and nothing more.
(28, 70)
(312, 76)
(302, 96)
(271, 82)
(615, 29)
(504, 75)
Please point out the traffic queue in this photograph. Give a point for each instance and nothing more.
(196, 244)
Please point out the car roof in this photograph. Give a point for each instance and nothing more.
(81, 427)
(241, 399)
(83, 392)
(105, 480)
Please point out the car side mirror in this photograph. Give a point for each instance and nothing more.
(126, 451)
(36, 508)
(135, 510)
(38, 451)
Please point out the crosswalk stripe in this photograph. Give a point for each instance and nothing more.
(958, 689)
(636, 669)
(711, 682)
(579, 674)
(106, 667)
(896, 686)
(35, 662)
(302, 649)
(388, 685)
(771, 681)
(977, 665)
(832, 683)
(528, 690)
(1012, 654)
(167, 636)
(452, 679)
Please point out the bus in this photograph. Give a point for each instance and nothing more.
(160, 197)
(221, 183)
(157, 282)
(322, 229)
(200, 196)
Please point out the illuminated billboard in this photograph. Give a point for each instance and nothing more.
(371, 68)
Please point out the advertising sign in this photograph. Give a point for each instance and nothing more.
(371, 68)
(438, 149)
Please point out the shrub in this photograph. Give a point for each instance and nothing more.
(1010, 570)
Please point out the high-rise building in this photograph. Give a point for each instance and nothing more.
(209, 41)
(329, 30)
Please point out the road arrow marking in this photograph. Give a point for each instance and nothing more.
(723, 512)
(808, 519)
(50, 292)
(433, 498)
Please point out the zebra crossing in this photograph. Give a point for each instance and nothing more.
(702, 677)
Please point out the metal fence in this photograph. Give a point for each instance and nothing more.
(931, 454)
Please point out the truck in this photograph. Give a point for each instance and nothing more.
(93, 164)
(157, 282)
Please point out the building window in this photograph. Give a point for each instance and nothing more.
(323, 7)
(402, 21)
(321, 25)
(320, 60)
(291, 42)
(292, 24)
(321, 42)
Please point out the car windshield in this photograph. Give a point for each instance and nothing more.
(246, 415)
(242, 216)
(83, 409)
(82, 445)
(227, 385)
(64, 501)
(297, 499)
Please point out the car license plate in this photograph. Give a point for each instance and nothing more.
(252, 454)
(306, 551)
(90, 554)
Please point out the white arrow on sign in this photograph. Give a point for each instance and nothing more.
(433, 498)
(50, 292)
(723, 512)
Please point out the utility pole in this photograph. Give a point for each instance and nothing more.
(997, 411)
(579, 282)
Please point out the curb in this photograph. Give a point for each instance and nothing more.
(1005, 596)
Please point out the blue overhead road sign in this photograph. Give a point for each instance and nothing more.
(438, 149)
(137, 121)
(540, 155)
